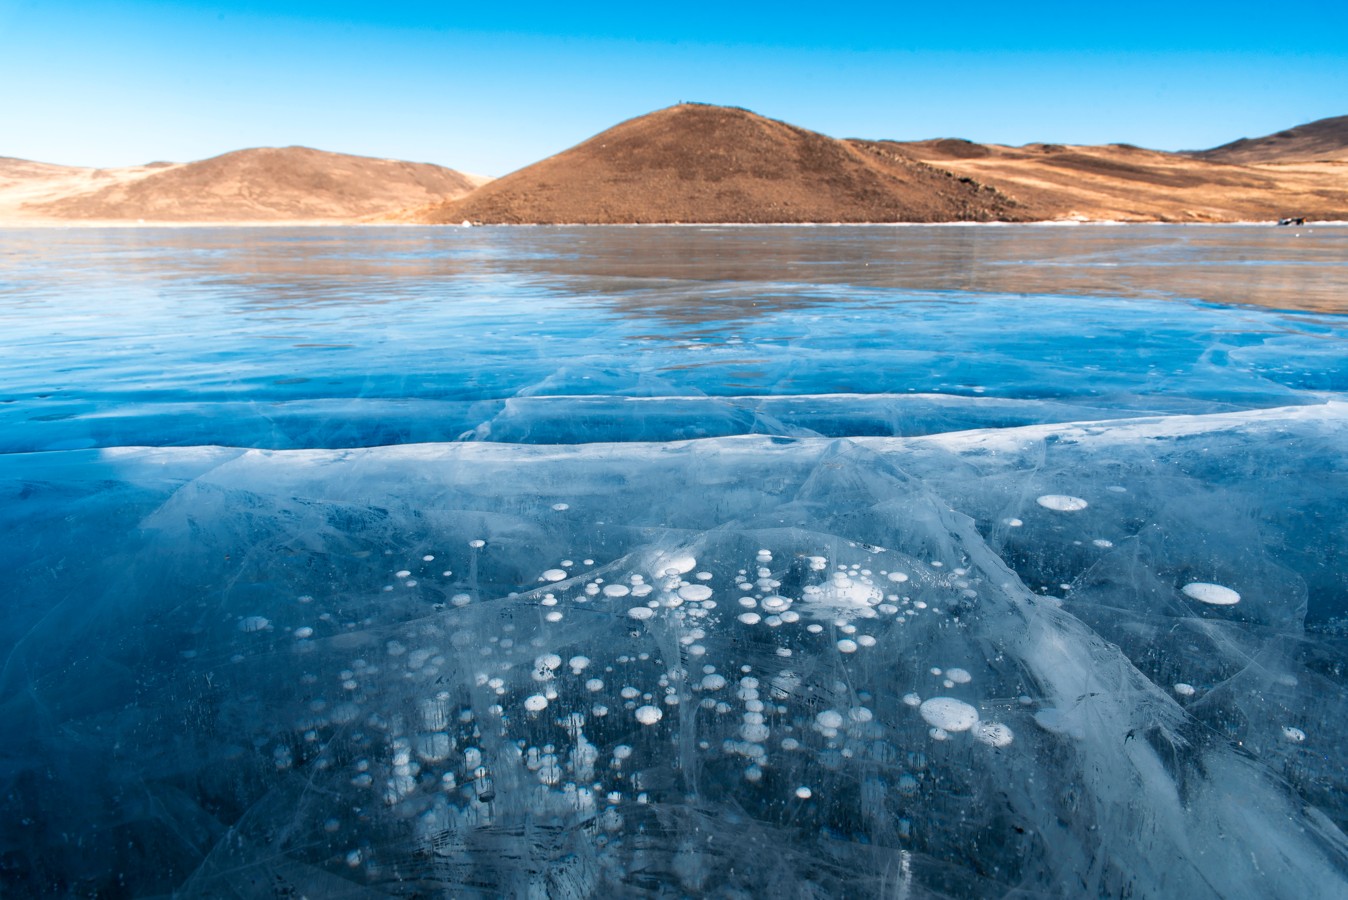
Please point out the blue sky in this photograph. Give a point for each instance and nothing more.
(489, 90)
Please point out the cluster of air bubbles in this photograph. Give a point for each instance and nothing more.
(488, 695)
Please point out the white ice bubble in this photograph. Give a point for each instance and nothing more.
(847, 646)
(1214, 594)
(1014, 523)
(949, 714)
(477, 543)
(616, 590)
(829, 718)
(911, 699)
(561, 507)
(536, 703)
(1293, 734)
(579, 664)
(594, 685)
(401, 573)
(253, 624)
(649, 715)
(1183, 689)
(304, 631)
(554, 575)
(994, 734)
(750, 618)
(641, 613)
(695, 593)
(897, 577)
(1102, 543)
(804, 792)
(1062, 503)
(959, 676)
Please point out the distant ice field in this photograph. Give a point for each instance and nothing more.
(586, 562)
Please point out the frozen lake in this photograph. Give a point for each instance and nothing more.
(591, 562)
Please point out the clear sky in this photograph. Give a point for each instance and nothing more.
(486, 90)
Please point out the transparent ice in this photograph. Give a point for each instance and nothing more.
(590, 563)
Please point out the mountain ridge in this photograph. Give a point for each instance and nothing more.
(703, 163)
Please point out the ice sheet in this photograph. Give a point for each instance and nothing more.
(288, 689)
(673, 562)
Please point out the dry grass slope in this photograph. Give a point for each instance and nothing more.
(264, 184)
(699, 163)
(1319, 141)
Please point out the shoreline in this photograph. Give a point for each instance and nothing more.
(27, 224)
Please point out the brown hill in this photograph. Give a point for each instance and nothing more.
(1324, 139)
(264, 184)
(1126, 183)
(701, 163)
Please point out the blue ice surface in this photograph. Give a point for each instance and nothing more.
(674, 561)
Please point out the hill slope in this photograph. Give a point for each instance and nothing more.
(1126, 183)
(264, 184)
(1324, 139)
(700, 163)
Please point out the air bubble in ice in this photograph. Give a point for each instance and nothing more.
(1062, 503)
(695, 593)
(1214, 594)
(253, 624)
(829, 718)
(994, 734)
(949, 714)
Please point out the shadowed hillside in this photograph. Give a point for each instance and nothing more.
(1324, 139)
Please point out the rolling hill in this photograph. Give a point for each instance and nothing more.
(257, 185)
(1319, 141)
(701, 163)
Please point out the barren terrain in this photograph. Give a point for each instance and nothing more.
(290, 184)
(716, 164)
